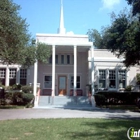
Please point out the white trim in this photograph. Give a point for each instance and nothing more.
(53, 70)
(106, 59)
(75, 70)
(62, 35)
(92, 69)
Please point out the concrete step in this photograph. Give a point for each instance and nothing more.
(65, 101)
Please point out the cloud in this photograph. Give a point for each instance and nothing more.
(109, 4)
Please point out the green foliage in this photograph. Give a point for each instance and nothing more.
(18, 98)
(40, 52)
(27, 89)
(27, 98)
(16, 87)
(13, 32)
(138, 78)
(43, 52)
(16, 44)
(128, 88)
(97, 38)
(135, 6)
(116, 98)
(122, 37)
(8, 88)
(28, 56)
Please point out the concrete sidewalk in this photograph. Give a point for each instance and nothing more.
(10, 114)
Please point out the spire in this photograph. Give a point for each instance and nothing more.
(61, 29)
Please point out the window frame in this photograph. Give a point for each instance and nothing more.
(111, 78)
(123, 78)
(48, 81)
(72, 81)
(102, 77)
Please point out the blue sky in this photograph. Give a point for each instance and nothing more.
(79, 15)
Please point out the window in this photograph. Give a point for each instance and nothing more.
(23, 73)
(62, 59)
(12, 76)
(23, 76)
(112, 79)
(77, 82)
(122, 78)
(68, 59)
(50, 60)
(2, 76)
(56, 59)
(48, 82)
(2, 73)
(102, 78)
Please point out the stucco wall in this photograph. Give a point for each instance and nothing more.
(82, 70)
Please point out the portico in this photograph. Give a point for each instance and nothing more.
(70, 66)
(65, 67)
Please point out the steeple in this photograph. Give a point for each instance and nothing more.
(61, 29)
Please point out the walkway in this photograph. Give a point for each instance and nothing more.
(6, 114)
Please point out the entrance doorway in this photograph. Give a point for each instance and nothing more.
(62, 85)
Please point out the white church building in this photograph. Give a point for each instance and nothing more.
(73, 65)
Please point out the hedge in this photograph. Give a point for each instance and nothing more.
(18, 98)
(116, 98)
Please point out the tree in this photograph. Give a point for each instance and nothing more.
(122, 37)
(16, 45)
(135, 6)
(97, 38)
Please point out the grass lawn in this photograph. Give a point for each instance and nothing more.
(66, 129)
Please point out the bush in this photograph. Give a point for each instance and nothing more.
(138, 78)
(116, 98)
(128, 88)
(18, 98)
(16, 87)
(8, 88)
(27, 98)
(27, 89)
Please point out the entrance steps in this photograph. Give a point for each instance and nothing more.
(64, 102)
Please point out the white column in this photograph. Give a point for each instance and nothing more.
(53, 70)
(7, 76)
(18, 76)
(107, 78)
(92, 69)
(35, 83)
(117, 79)
(75, 70)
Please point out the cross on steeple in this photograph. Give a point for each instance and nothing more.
(61, 29)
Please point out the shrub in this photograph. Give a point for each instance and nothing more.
(18, 98)
(128, 88)
(8, 87)
(27, 89)
(16, 87)
(117, 98)
(138, 78)
(27, 98)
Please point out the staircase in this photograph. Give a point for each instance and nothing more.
(64, 102)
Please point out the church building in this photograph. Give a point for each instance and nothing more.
(73, 65)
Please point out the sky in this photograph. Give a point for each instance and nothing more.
(43, 16)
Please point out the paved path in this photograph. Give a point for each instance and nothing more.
(6, 114)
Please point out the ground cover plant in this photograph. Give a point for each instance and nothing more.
(66, 129)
